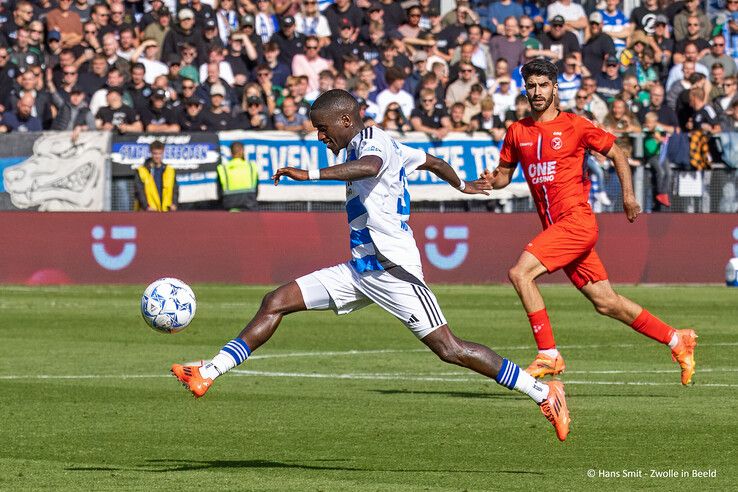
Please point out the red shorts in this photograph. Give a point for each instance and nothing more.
(569, 244)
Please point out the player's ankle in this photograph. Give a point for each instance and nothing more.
(552, 352)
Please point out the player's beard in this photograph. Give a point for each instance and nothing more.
(539, 106)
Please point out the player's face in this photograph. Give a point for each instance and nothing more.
(540, 91)
(333, 131)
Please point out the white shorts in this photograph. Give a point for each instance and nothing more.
(399, 290)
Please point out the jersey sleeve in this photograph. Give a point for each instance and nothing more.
(371, 145)
(412, 158)
(509, 151)
(594, 138)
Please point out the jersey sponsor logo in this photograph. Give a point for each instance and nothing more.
(526, 144)
(556, 143)
(557, 133)
(542, 172)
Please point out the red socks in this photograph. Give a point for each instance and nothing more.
(649, 325)
(542, 331)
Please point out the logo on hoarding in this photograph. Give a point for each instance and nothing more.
(119, 233)
(735, 246)
(457, 256)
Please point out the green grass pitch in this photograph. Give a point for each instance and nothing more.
(356, 402)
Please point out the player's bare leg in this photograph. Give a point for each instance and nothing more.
(609, 303)
(274, 306)
(479, 358)
(523, 276)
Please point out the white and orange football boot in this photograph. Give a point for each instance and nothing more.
(683, 353)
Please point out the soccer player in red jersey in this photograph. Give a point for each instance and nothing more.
(551, 145)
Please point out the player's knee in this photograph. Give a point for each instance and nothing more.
(608, 306)
(272, 302)
(517, 275)
(450, 351)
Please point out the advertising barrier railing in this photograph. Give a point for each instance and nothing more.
(266, 248)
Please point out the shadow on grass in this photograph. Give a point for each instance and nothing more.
(455, 394)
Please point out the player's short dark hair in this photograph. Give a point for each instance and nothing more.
(156, 145)
(540, 67)
(337, 101)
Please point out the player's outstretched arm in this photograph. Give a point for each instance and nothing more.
(443, 170)
(500, 177)
(630, 205)
(364, 167)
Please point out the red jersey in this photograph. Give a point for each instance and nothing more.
(552, 156)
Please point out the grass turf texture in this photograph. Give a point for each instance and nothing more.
(389, 416)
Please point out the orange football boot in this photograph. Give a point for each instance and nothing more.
(191, 379)
(543, 365)
(683, 353)
(555, 409)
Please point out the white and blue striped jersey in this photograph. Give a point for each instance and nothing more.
(378, 208)
(614, 22)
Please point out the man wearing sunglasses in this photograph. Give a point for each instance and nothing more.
(717, 55)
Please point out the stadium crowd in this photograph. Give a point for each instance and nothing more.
(658, 66)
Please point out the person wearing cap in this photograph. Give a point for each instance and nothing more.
(310, 63)
(265, 22)
(310, 22)
(190, 117)
(344, 9)
(598, 46)
(157, 117)
(203, 12)
(155, 187)
(210, 36)
(159, 27)
(117, 116)
(255, 117)
(218, 116)
(182, 33)
(575, 20)
(67, 22)
(342, 45)
(644, 16)
(663, 40)
(74, 114)
(145, 54)
(290, 41)
(558, 42)
(609, 82)
(681, 21)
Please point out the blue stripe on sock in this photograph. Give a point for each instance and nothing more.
(508, 375)
(237, 349)
(234, 355)
(243, 344)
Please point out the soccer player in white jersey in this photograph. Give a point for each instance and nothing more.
(385, 263)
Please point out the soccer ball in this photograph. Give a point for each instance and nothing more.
(168, 305)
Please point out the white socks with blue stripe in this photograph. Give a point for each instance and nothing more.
(232, 354)
(512, 377)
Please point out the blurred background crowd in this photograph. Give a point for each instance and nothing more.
(661, 74)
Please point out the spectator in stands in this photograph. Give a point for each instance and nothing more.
(116, 116)
(730, 89)
(290, 42)
(280, 70)
(472, 104)
(693, 36)
(342, 45)
(504, 96)
(717, 78)
(456, 118)
(598, 46)
(215, 55)
(558, 43)
(666, 117)
(701, 126)
(242, 56)
(480, 57)
(74, 115)
(228, 19)
(326, 82)
(114, 80)
(148, 48)
(159, 28)
(487, 121)
(203, 13)
(616, 24)
(101, 18)
(297, 87)
(610, 83)
(580, 105)
(289, 119)
(508, 46)
(691, 55)
(717, 55)
(110, 48)
(499, 12)
(310, 22)
(21, 118)
(310, 63)
(345, 9)
(394, 119)
(127, 43)
(621, 123)
(190, 118)
(681, 21)
(459, 89)
(28, 83)
(157, 117)
(256, 116)
(395, 78)
(573, 17)
(632, 95)
(83, 9)
(22, 16)
(655, 137)
(213, 78)
(156, 188)
(66, 22)
(182, 33)
(218, 116)
(118, 20)
(430, 118)
(570, 80)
